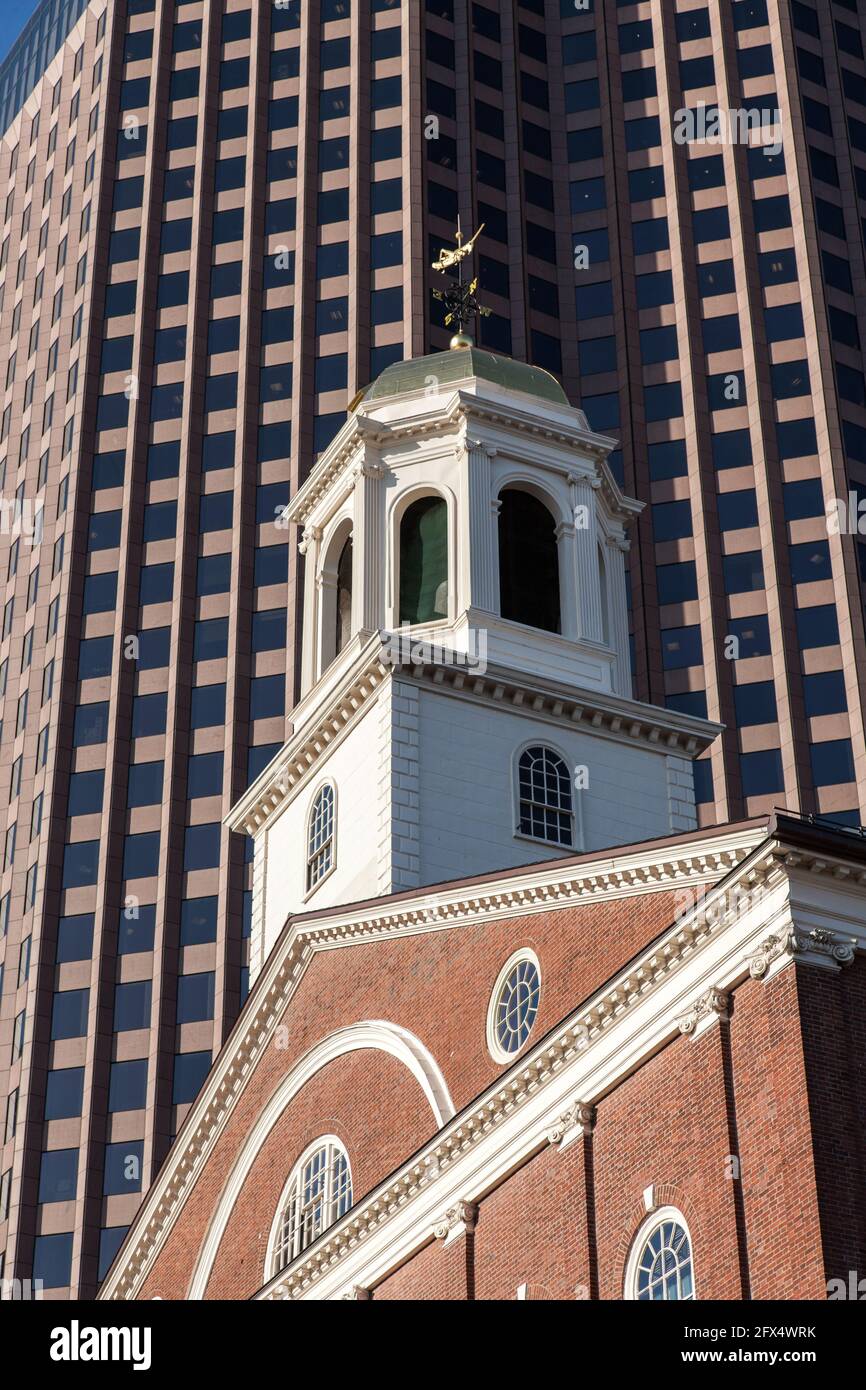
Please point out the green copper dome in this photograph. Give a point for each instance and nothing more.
(456, 365)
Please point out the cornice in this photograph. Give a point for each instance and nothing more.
(298, 760)
(461, 409)
(597, 712)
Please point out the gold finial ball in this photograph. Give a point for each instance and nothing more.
(461, 340)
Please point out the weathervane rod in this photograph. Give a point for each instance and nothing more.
(459, 300)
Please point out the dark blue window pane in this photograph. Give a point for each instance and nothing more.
(733, 449)
(213, 574)
(752, 636)
(80, 863)
(211, 639)
(215, 511)
(123, 1169)
(149, 714)
(64, 1093)
(136, 929)
(267, 697)
(810, 561)
(52, 1260)
(160, 521)
(141, 855)
(127, 1087)
(198, 921)
(58, 1175)
(271, 565)
(832, 762)
(202, 847)
(204, 775)
(218, 450)
(208, 706)
(85, 793)
(762, 772)
(269, 630)
(737, 509)
(75, 937)
(190, 1070)
(258, 758)
(108, 470)
(110, 1240)
(154, 646)
(824, 693)
(91, 724)
(755, 703)
(744, 572)
(69, 1013)
(681, 646)
(156, 583)
(132, 1006)
(195, 997)
(144, 787)
(817, 627)
(163, 460)
(94, 657)
(100, 593)
(803, 499)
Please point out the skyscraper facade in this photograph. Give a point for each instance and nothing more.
(218, 225)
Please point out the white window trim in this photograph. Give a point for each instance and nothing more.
(576, 845)
(656, 1218)
(325, 1141)
(311, 889)
(498, 1053)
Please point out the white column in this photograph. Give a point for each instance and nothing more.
(588, 579)
(309, 548)
(368, 547)
(617, 597)
(568, 580)
(482, 530)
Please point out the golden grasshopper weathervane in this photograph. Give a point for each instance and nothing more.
(459, 299)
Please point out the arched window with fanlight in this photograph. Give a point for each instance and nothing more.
(321, 837)
(318, 1193)
(528, 561)
(660, 1266)
(423, 569)
(545, 796)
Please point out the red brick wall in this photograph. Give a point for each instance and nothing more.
(667, 1126)
(833, 1017)
(532, 1230)
(438, 987)
(778, 1176)
(438, 1272)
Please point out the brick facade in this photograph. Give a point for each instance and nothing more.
(752, 1129)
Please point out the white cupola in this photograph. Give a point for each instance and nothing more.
(466, 685)
(466, 500)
